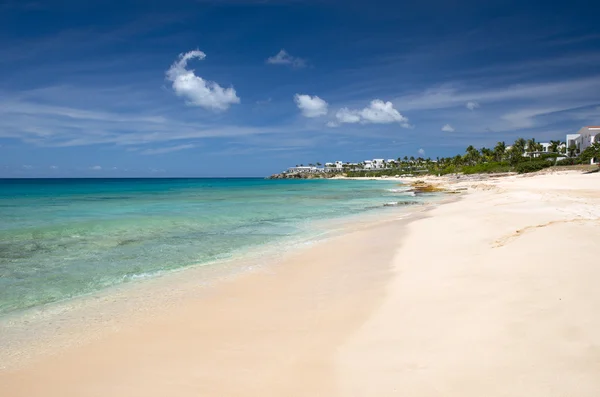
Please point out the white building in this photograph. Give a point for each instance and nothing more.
(545, 147)
(585, 137)
(338, 166)
(378, 164)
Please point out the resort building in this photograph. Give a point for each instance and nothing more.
(338, 166)
(546, 146)
(378, 164)
(585, 137)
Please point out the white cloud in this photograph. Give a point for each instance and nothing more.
(382, 113)
(167, 149)
(196, 90)
(448, 128)
(345, 115)
(54, 167)
(472, 105)
(283, 58)
(421, 152)
(526, 118)
(311, 106)
(27, 167)
(378, 112)
(96, 168)
(583, 91)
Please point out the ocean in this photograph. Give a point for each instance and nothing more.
(62, 238)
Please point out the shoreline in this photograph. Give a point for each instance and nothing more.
(34, 333)
(492, 294)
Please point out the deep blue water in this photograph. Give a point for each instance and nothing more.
(61, 238)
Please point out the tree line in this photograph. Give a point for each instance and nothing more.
(522, 156)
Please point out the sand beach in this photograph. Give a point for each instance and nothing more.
(494, 293)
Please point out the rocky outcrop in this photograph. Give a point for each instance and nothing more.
(424, 187)
(297, 175)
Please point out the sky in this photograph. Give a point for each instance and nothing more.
(248, 88)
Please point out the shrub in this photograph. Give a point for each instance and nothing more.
(591, 152)
(486, 168)
(449, 169)
(532, 166)
(550, 156)
(568, 161)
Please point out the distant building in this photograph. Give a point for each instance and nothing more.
(584, 138)
(338, 166)
(378, 164)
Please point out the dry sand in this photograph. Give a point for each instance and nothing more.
(492, 295)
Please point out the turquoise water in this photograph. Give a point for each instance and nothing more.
(61, 238)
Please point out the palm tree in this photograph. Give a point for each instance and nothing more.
(519, 145)
(554, 146)
(488, 154)
(515, 154)
(572, 150)
(539, 147)
(531, 146)
(457, 160)
(500, 151)
(563, 148)
(472, 155)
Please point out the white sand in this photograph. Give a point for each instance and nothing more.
(494, 295)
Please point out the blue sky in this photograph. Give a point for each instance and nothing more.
(247, 88)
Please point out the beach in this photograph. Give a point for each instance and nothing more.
(492, 293)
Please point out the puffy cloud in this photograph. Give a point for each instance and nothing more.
(311, 106)
(196, 90)
(96, 168)
(382, 113)
(472, 105)
(447, 128)
(378, 112)
(421, 152)
(283, 58)
(345, 115)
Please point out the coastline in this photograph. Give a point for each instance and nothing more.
(33, 334)
(478, 296)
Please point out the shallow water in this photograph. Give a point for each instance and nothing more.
(61, 238)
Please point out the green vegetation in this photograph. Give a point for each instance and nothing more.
(591, 152)
(522, 156)
(532, 166)
(487, 168)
